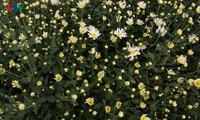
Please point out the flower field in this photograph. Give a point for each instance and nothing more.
(99, 59)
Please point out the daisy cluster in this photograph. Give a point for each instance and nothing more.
(100, 60)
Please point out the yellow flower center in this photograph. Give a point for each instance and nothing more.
(94, 35)
(132, 52)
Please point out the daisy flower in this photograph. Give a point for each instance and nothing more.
(139, 22)
(93, 33)
(22, 36)
(54, 2)
(81, 4)
(141, 4)
(130, 21)
(134, 51)
(158, 21)
(144, 117)
(15, 84)
(120, 33)
(161, 30)
(90, 101)
(58, 77)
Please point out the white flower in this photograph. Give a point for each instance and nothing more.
(74, 97)
(130, 21)
(193, 38)
(134, 51)
(81, 4)
(21, 106)
(93, 33)
(198, 9)
(83, 30)
(121, 114)
(142, 46)
(161, 30)
(54, 2)
(158, 21)
(118, 18)
(171, 72)
(144, 117)
(139, 22)
(141, 4)
(120, 33)
(122, 4)
(45, 34)
(22, 36)
(182, 60)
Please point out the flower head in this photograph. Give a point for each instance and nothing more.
(107, 109)
(158, 21)
(81, 4)
(93, 33)
(141, 4)
(54, 2)
(58, 77)
(198, 9)
(15, 84)
(161, 30)
(101, 74)
(120, 33)
(144, 117)
(73, 39)
(182, 60)
(197, 83)
(134, 51)
(118, 104)
(90, 101)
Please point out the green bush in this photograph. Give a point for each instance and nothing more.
(100, 60)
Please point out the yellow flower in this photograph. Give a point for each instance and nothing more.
(190, 52)
(143, 105)
(74, 97)
(137, 65)
(79, 73)
(90, 101)
(58, 77)
(2, 70)
(198, 9)
(80, 58)
(113, 39)
(83, 30)
(197, 83)
(83, 45)
(21, 106)
(45, 34)
(22, 36)
(11, 63)
(179, 32)
(170, 45)
(182, 60)
(142, 92)
(73, 39)
(15, 84)
(121, 114)
(97, 55)
(7, 35)
(118, 104)
(61, 54)
(141, 86)
(101, 74)
(107, 109)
